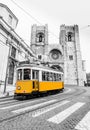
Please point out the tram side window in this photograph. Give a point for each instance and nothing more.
(47, 76)
(43, 76)
(27, 74)
(35, 74)
(54, 77)
(59, 77)
(50, 77)
(19, 74)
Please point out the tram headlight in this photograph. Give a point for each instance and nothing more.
(18, 87)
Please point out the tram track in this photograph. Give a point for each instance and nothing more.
(66, 96)
(11, 99)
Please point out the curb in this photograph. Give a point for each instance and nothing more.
(7, 95)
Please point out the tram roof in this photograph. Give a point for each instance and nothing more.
(38, 67)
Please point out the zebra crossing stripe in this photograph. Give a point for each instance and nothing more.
(64, 114)
(34, 106)
(49, 109)
(84, 124)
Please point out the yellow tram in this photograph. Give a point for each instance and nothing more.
(33, 79)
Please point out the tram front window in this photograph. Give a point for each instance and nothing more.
(19, 74)
(27, 74)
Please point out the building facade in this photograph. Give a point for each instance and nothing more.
(12, 48)
(64, 56)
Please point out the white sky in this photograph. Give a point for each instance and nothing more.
(54, 13)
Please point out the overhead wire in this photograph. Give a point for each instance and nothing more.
(32, 17)
(84, 27)
(38, 20)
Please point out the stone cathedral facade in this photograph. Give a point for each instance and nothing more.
(64, 56)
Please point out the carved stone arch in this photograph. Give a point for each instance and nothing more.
(57, 67)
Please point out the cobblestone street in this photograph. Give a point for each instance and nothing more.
(60, 111)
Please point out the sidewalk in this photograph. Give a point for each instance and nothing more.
(9, 91)
(7, 94)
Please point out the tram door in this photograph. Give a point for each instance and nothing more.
(35, 78)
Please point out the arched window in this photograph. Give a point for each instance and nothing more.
(40, 37)
(39, 57)
(69, 36)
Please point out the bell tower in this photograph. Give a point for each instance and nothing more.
(39, 40)
(73, 70)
